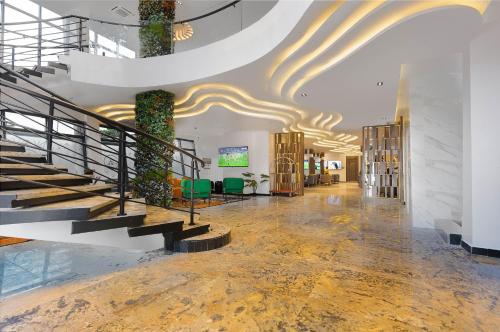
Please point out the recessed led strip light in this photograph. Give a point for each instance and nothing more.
(232, 89)
(388, 21)
(114, 107)
(310, 32)
(286, 118)
(360, 13)
(227, 105)
(200, 99)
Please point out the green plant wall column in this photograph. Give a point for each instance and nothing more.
(157, 36)
(154, 114)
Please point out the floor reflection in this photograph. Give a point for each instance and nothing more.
(38, 263)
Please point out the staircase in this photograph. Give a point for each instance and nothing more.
(35, 192)
(31, 191)
(36, 71)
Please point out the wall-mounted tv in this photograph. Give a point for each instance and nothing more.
(317, 165)
(334, 164)
(233, 156)
(306, 165)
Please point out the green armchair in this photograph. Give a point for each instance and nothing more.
(233, 186)
(202, 189)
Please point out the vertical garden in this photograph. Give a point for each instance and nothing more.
(154, 110)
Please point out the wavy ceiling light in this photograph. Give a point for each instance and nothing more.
(347, 24)
(313, 28)
(395, 17)
(109, 107)
(323, 123)
(286, 118)
(226, 88)
(316, 119)
(200, 99)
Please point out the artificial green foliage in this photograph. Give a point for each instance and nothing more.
(157, 34)
(154, 114)
(252, 182)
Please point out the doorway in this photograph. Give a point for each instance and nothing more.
(352, 168)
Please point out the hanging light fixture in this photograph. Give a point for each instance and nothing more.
(183, 31)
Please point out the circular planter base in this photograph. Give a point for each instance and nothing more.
(218, 236)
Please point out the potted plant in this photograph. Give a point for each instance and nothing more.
(251, 182)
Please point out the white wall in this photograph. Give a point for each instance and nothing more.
(259, 144)
(435, 105)
(482, 180)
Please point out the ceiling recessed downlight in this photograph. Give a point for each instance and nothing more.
(303, 94)
(380, 83)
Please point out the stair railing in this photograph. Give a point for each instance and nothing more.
(27, 46)
(31, 114)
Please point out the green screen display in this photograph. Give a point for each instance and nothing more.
(233, 156)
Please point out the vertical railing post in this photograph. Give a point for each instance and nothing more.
(80, 35)
(2, 32)
(191, 208)
(39, 53)
(13, 57)
(165, 183)
(122, 164)
(50, 127)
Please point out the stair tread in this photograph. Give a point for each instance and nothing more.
(131, 209)
(158, 215)
(92, 202)
(43, 177)
(32, 166)
(4, 143)
(44, 69)
(20, 154)
(58, 65)
(44, 192)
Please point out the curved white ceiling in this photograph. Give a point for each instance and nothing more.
(321, 79)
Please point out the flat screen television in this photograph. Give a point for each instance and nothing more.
(306, 165)
(233, 156)
(334, 164)
(317, 165)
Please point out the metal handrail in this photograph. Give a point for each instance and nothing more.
(68, 104)
(144, 23)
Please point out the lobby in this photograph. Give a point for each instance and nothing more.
(249, 165)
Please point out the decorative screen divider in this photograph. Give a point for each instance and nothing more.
(381, 165)
(288, 173)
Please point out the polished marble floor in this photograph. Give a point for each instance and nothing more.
(328, 261)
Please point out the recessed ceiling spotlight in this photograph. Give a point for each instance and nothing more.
(380, 83)
(303, 94)
(178, 2)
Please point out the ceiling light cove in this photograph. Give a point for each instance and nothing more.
(202, 98)
(384, 23)
(313, 28)
(361, 12)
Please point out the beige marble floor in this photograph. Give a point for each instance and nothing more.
(328, 261)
